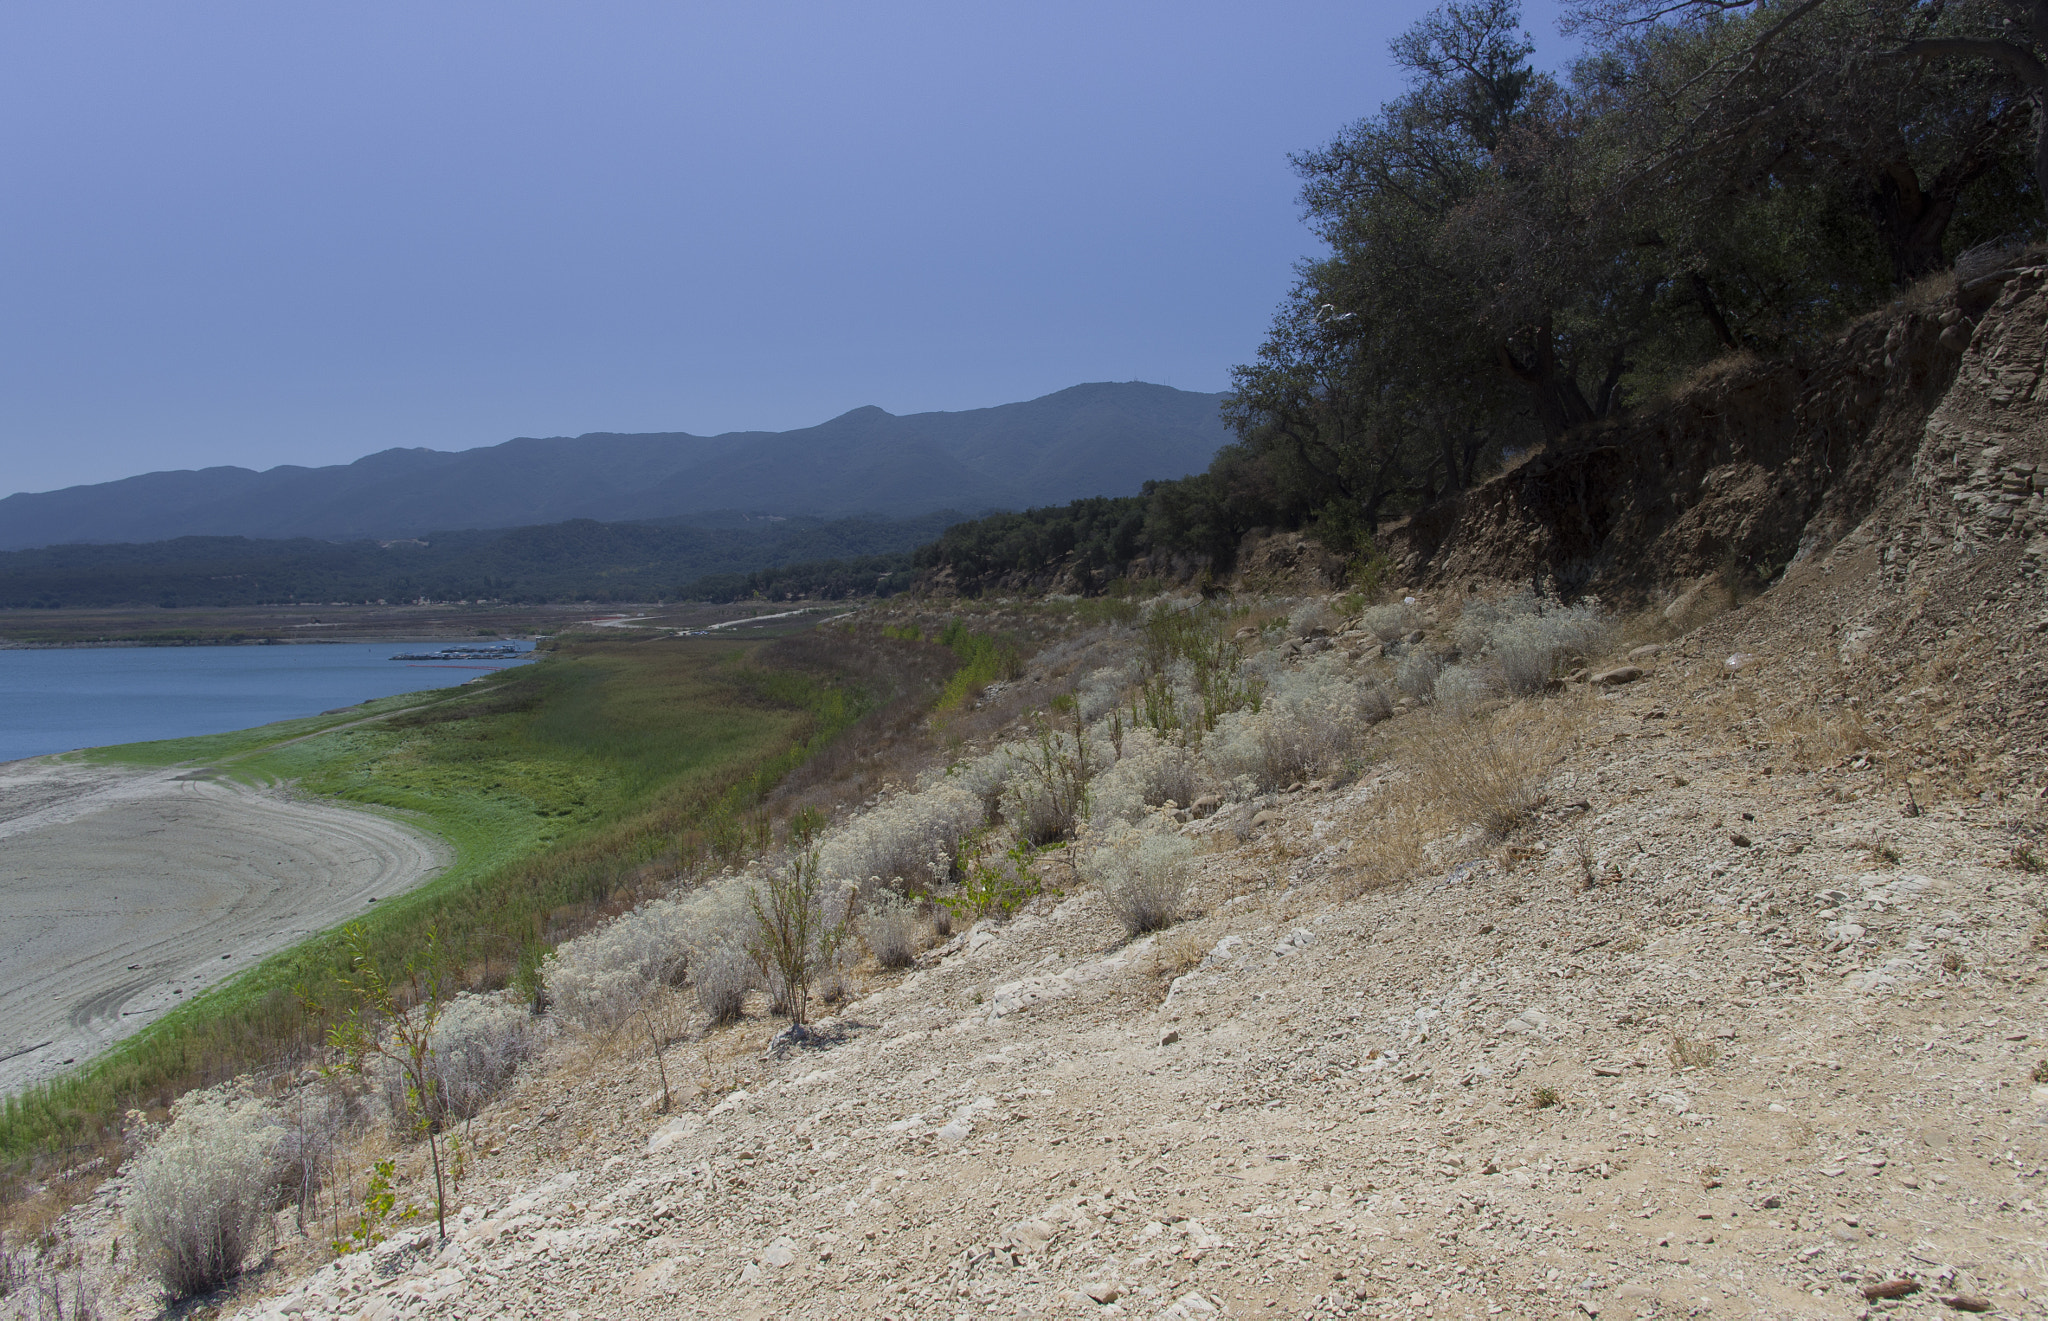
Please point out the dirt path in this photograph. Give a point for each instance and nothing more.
(128, 891)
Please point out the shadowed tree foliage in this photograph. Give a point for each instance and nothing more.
(1511, 255)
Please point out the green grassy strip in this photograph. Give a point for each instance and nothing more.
(563, 788)
(983, 660)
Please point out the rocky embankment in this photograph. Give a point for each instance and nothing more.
(1717, 1035)
(1745, 1020)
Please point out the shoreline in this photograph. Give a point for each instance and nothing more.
(134, 890)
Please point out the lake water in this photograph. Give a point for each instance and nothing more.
(64, 698)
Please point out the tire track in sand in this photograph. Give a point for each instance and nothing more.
(128, 892)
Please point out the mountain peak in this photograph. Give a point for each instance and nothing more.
(868, 460)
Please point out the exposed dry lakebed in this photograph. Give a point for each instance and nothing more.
(124, 892)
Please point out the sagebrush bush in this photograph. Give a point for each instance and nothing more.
(598, 980)
(1416, 675)
(1527, 638)
(1461, 687)
(201, 1195)
(1389, 623)
(909, 838)
(890, 926)
(1102, 691)
(1308, 723)
(1151, 772)
(1142, 876)
(720, 923)
(479, 1042)
(1308, 616)
(721, 980)
(985, 777)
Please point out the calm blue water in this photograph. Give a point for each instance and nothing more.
(57, 700)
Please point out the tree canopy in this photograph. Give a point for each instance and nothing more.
(1509, 255)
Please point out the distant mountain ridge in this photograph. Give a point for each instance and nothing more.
(1098, 439)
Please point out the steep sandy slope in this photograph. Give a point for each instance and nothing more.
(1746, 1021)
(1779, 1051)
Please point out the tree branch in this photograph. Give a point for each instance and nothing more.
(2011, 54)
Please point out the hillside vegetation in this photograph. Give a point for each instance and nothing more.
(564, 789)
(581, 560)
(1517, 261)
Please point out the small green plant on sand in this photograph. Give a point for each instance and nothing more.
(378, 1025)
(992, 884)
(1543, 1098)
(379, 1205)
(795, 937)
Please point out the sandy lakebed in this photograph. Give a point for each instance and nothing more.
(125, 891)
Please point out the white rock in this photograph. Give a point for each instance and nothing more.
(781, 1252)
(674, 1131)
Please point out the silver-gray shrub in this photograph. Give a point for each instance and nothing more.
(479, 1043)
(1309, 721)
(1462, 687)
(1102, 691)
(1152, 771)
(1527, 639)
(200, 1197)
(1416, 675)
(909, 838)
(985, 777)
(600, 979)
(1391, 622)
(721, 923)
(1142, 876)
(890, 926)
(1308, 616)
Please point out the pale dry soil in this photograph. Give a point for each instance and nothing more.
(1730, 1077)
(126, 891)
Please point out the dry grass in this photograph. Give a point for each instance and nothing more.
(1816, 741)
(1490, 773)
(1391, 839)
(1178, 954)
(1692, 1053)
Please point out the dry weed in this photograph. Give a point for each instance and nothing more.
(1490, 773)
(1391, 837)
(1583, 859)
(1691, 1053)
(1178, 954)
(1816, 741)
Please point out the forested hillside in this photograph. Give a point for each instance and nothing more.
(1515, 259)
(580, 560)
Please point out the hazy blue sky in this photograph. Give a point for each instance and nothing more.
(263, 233)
